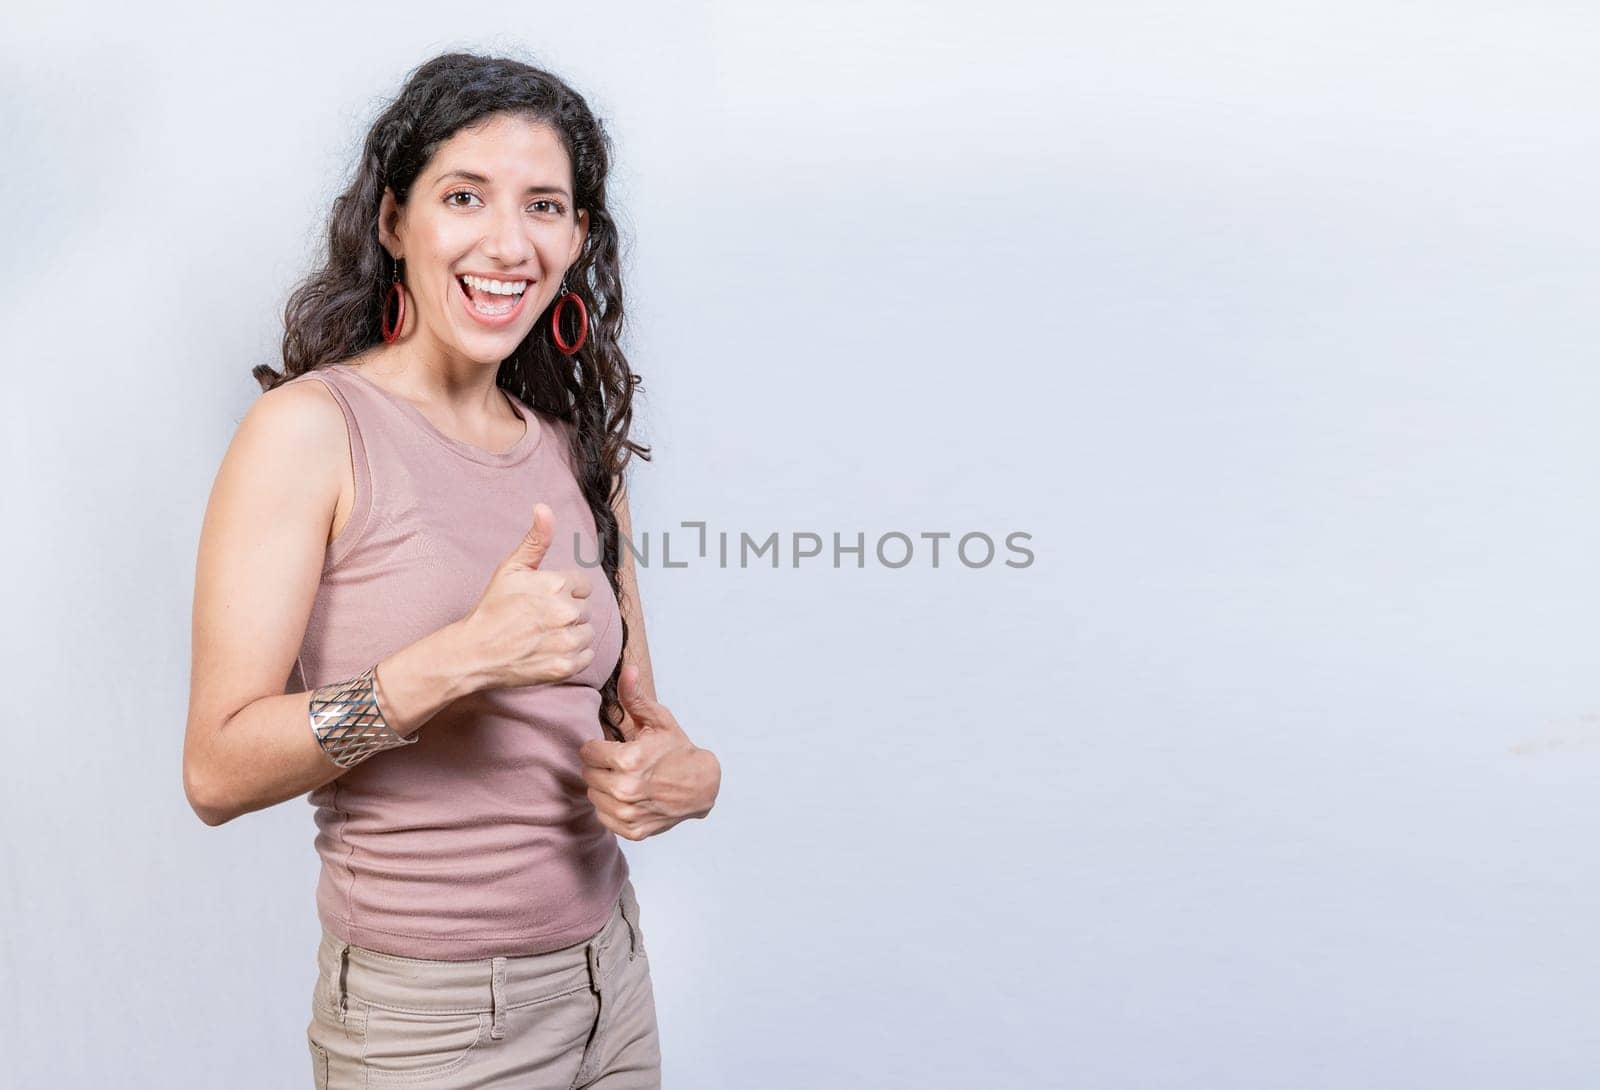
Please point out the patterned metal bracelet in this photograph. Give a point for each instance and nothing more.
(348, 722)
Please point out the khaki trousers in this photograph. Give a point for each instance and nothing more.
(580, 1017)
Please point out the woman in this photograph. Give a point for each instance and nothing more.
(398, 606)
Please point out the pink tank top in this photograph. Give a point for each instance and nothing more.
(479, 840)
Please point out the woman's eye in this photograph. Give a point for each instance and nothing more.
(549, 205)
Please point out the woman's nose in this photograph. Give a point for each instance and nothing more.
(508, 241)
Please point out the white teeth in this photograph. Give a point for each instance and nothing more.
(497, 287)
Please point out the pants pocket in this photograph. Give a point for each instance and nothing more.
(404, 1046)
(319, 1065)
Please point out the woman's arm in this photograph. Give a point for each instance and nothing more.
(708, 768)
(638, 649)
(656, 777)
(284, 483)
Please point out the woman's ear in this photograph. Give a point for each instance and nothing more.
(581, 236)
(388, 223)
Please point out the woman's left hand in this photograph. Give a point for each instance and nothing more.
(657, 777)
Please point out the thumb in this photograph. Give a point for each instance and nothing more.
(530, 551)
(633, 697)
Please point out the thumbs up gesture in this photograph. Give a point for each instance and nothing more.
(531, 625)
(656, 777)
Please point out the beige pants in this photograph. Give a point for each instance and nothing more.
(582, 1016)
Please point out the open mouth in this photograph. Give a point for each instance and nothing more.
(493, 308)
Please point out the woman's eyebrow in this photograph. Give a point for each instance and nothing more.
(470, 176)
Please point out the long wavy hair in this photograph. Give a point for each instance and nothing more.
(335, 313)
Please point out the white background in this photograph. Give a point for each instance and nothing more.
(1273, 324)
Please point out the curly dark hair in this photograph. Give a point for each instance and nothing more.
(336, 312)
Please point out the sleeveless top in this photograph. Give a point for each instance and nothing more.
(479, 840)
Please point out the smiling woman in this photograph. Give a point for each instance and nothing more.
(494, 234)
(393, 541)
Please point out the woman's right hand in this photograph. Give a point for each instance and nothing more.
(530, 626)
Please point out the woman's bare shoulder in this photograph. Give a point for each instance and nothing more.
(299, 415)
(291, 448)
(286, 475)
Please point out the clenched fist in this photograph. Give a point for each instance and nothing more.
(657, 777)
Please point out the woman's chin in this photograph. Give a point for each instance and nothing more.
(482, 345)
(493, 352)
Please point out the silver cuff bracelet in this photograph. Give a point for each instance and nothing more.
(348, 723)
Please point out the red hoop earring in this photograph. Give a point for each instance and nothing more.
(396, 292)
(583, 321)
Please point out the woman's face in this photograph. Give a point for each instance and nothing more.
(495, 202)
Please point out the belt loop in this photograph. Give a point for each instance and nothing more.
(497, 990)
(592, 949)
